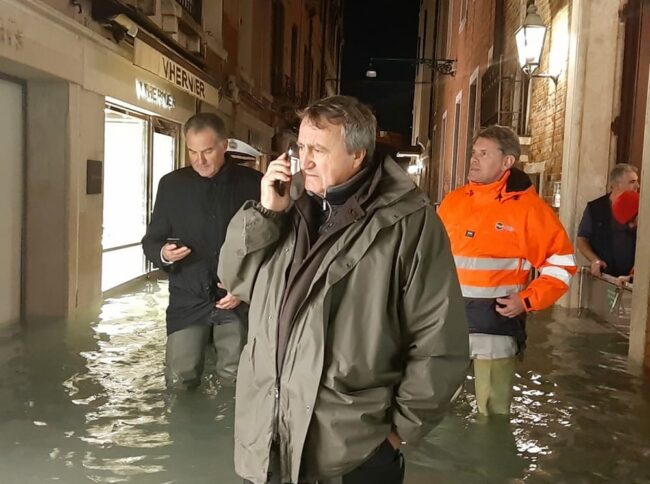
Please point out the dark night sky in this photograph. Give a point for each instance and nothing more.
(381, 28)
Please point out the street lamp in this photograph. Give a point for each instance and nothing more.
(416, 154)
(530, 42)
(443, 66)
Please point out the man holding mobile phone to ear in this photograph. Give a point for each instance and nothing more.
(193, 207)
(357, 338)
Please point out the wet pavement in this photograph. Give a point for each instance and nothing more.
(84, 401)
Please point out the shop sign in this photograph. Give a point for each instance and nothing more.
(10, 33)
(150, 59)
(154, 95)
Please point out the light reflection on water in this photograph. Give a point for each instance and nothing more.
(84, 401)
(87, 403)
(578, 417)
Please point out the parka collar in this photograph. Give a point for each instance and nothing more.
(512, 184)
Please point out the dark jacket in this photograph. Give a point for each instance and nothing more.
(379, 342)
(601, 238)
(197, 210)
(600, 211)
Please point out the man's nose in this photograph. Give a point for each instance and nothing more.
(306, 159)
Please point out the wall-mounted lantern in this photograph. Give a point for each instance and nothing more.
(530, 38)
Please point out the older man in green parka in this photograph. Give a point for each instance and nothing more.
(357, 338)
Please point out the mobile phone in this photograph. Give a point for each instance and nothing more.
(176, 241)
(293, 153)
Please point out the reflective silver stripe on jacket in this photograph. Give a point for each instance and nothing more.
(489, 292)
(491, 263)
(562, 260)
(556, 272)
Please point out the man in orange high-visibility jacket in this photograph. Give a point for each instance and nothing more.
(499, 229)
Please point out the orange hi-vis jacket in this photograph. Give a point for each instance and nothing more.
(498, 231)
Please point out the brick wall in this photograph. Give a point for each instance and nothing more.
(547, 100)
(470, 46)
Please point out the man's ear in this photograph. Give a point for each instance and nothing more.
(509, 161)
(359, 156)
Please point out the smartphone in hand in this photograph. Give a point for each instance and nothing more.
(293, 154)
(176, 241)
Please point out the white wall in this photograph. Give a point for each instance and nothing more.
(11, 199)
(46, 268)
(592, 93)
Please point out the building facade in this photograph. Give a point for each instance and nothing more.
(94, 95)
(583, 110)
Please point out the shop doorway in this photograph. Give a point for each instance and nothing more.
(138, 151)
(11, 199)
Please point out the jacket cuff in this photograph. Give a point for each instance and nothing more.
(164, 261)
(408, 431)
(526, 299)
(266, 212)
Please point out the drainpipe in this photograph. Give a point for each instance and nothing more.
(322, 52)
(499, 20)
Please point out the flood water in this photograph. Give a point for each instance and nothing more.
(84, 401)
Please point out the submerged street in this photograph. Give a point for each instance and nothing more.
(85, 401)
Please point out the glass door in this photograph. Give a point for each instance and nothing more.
(126, 142)
(139, 150)
(165, 154)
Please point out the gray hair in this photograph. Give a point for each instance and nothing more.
(358, 124)
(619, 171)
(201, 121)
(505, 137)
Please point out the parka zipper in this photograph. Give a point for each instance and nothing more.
(276, 397)
(276, 411)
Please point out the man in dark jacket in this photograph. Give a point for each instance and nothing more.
(608, 245)
(194, 205)
(357, 338)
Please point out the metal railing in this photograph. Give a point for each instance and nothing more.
(620, 287)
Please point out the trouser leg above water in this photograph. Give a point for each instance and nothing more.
(493, 381)
(228, 339)
(185, 355)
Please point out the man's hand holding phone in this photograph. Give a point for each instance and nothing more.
(174, 250)
(279, 172)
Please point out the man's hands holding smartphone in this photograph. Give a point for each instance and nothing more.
(174, 250)
(279, 171)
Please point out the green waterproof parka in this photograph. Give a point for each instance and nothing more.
(380, 342)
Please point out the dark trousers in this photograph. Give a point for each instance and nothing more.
(185, 353)
(384, 466)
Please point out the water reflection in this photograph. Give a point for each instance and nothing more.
(87, 402)
(84, 401)
(578, 416)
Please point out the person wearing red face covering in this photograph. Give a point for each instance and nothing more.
(625, 210)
